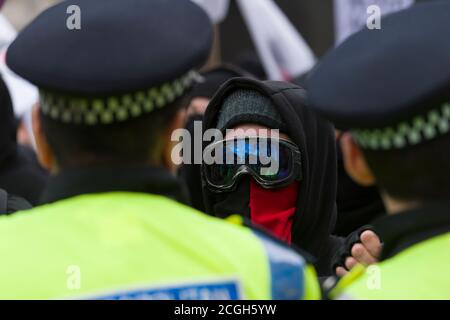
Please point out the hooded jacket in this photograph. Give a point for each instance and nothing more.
(315, 214)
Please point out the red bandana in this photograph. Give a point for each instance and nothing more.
(274, 209)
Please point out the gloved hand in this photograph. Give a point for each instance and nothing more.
(10, 204)
(362, 246)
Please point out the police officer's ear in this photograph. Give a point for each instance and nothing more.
(44, 151)
(177, 122)
(355, 162)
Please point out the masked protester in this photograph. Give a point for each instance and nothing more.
(201, 94)
(297, 202)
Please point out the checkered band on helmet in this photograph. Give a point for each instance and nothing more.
(106, 110)
(434, 123)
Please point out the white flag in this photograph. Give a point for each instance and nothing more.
(216, 9)
(351, 15)
(7, 32)
(282, 50)
(23, 94)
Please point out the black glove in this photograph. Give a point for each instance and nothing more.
(345, 251)
(10, 204)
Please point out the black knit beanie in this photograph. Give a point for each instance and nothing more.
(249, 106)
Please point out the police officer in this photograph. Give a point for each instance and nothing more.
(111, 94)
(389, 89)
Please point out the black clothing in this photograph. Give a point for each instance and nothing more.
(400, 231)
(214, 78)
(315, 215)
(21, 174)
(139, 178)
(10, 204)
(344, 251)
(190, 174)
(403, 230)
(236, 202)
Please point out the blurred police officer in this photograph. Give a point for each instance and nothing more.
(390, 89)
(111, 94)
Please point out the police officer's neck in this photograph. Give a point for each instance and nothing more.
(395, 206)
(90, 163)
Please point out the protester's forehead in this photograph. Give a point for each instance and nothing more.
(254, 130)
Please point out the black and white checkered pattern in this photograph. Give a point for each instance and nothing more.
(408, 133)
(112, 109)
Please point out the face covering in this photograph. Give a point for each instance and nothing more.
(236, 202)
(274, 209)
(271, 209)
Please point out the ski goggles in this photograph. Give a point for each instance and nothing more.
(273, 163)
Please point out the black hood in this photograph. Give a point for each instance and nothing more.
(315, 215)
